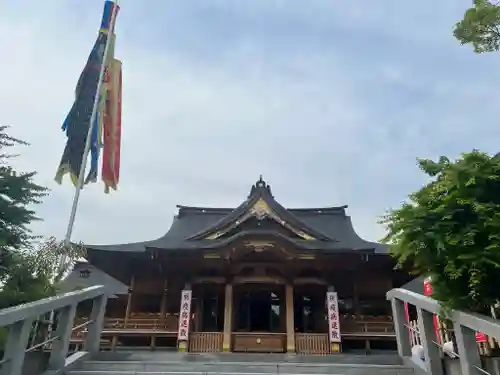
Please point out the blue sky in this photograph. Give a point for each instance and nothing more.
(331, 101)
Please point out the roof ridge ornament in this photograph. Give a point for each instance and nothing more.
(261, 184)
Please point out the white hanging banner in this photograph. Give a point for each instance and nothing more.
(185, 315)
(332, 305)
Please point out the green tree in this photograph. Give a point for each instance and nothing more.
(27, 273)
(18, 193)
(480, 26)
(36, 273)
(450, 230)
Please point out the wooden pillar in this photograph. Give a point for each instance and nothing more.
(355, 301)
(199, 313)
(228, 318)
(282, 315)
(184, 318)
(163, 305)
(129, 301)
(290, 324)
(152, 343)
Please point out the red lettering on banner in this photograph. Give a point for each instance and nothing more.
(333, 317)
(183, 333)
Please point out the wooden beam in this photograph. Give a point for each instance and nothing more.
(309, 280)
(355, 299)
(152, 344)
(209, 280)
(259, 280)
(198, 308)
(228, 318)
(129, 300)
(290, 324)
(163, 304)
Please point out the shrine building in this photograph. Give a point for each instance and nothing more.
(256, 278)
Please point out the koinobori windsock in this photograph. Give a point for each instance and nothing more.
(97, 130)
(112, 128)
(77, 122)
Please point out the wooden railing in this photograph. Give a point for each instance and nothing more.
(312, 343)
(205, 342)
(134, 326)
(259, 342)
(353, 327)
(169, 323)
(80, 332)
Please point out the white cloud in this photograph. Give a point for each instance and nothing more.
(200, 131)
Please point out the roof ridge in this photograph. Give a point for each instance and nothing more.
(319, 209)
(209, 209)
(203, 210)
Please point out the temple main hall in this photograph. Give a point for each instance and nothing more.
(256, 278)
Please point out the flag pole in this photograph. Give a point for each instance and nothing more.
(88, 143)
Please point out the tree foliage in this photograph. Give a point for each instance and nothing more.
(26, 273)
(18, 193)
(480, 26)
(36, 273)
(450, 230)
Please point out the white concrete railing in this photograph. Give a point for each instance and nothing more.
(20, 321)
(465, 326)
(445, 337)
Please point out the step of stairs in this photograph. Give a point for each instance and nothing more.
(158, 363)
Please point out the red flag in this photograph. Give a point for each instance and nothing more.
(112, 128)
(428, 292)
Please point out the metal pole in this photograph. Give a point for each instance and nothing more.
(79, 185)
(69, 230)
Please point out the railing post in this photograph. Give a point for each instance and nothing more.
(431, 350)
(17, 341)
(467, 349)
(402, 332)
(93, 337)
(66, 316)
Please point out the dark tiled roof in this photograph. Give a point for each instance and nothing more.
(261, 190)
(329, 225)
(416, 285)
(85, 275)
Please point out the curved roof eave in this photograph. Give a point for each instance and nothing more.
(134, 247)
(330, 225)
(96, 277)
(302, 244)
(378, 247)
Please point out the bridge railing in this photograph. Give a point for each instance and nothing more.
(465, 326)
(20, 321)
